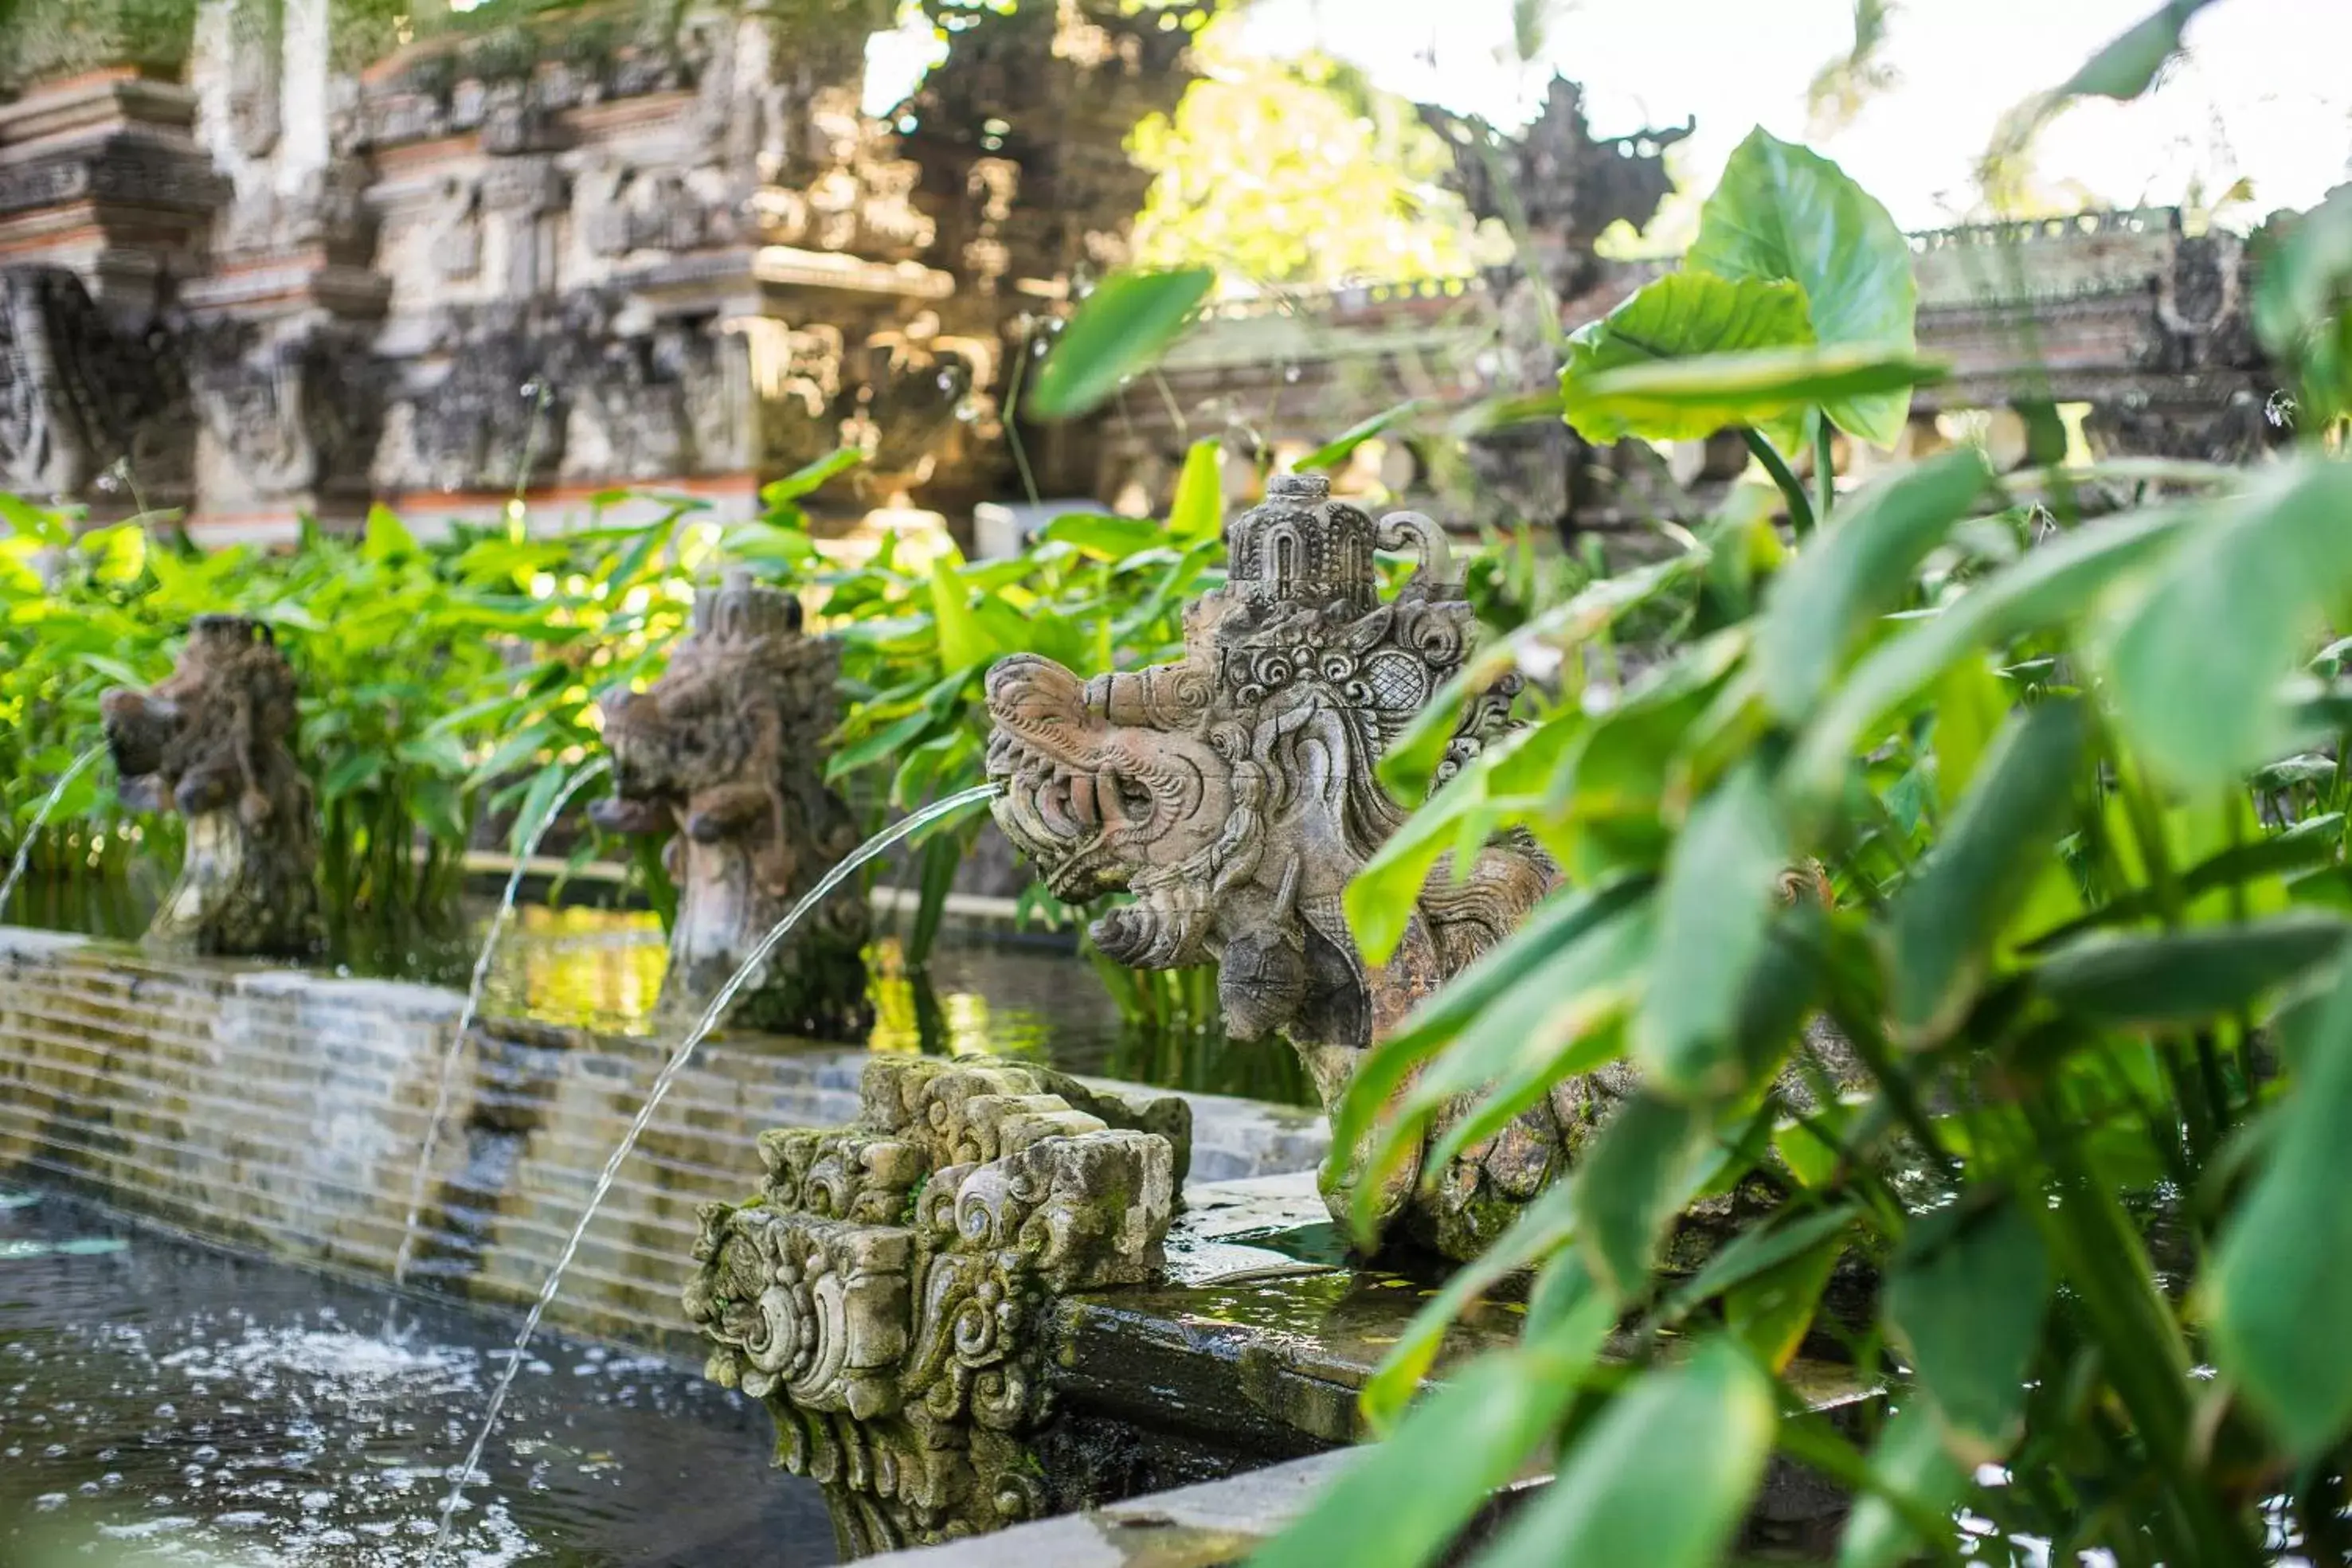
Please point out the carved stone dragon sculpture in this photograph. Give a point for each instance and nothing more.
(211, 741)
(724, 751)
(1232, 794)
(888, 1293)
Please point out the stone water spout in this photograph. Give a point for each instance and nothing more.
(724, 755)
(212, 742)
(1232, 794)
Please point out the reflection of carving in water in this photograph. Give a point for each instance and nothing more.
(752, 964)
(887, 1292)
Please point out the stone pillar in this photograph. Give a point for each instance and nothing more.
(278, 337)
(98, 171)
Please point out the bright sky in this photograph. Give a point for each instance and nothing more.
(2265, 91)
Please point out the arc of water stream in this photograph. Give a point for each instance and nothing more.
(40, 819)
(446, 1084)
(703, 1026)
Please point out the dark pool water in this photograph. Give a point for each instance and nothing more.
(161, 1401)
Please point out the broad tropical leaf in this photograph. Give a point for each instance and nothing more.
(1784, 212)
(1119, 330)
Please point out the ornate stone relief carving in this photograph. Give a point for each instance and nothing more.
(1232, 794)
(496, 417)
(886, 1293)
(79, 398)
(211, 742)
(298, 413)
(796, 375)
(726, 752)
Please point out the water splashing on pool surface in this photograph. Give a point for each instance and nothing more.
(166, 1404)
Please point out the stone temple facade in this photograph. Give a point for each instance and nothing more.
(260, 258)
(268, 259)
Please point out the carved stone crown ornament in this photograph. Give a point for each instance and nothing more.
(1232, 793)
(212, 742)
(885, 1293)
(726, 752)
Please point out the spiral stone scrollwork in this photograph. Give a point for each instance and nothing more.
(885, 1293)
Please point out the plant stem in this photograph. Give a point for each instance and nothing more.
(1801, 506)
(1012, 420)
(1824, 467)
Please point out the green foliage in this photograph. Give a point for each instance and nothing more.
(1121, 330)
(1783, 212)
(1794, 306)
(438, 683)
(42, 39)
(1297, 172)
(2079, 808)
(1681, 314)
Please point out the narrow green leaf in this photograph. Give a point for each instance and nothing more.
(1715, 905)
(1771, 1312)
(811, 477)
(1970, 701)
(1514, 966)
(1756, 1251)
(1964, 1298)
(2269, 566)
(963, 641)
(2179, 977)
(1909, 1461)
(385, 538)
(1781, 211)
(2299, 307)
(1411, 764)
(2127, 66)
(1855, 571)
(1999, 840)
(1765, 388)
(1382, 899)
(1662, 1479)
(1343, 446)
(1635, 1178)
(1539, 1230)
(1119, 330)
(1198, 512)
(1404, 1501)
(2280, 1285)
(2051, 584)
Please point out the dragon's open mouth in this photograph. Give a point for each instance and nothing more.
(1053, 813)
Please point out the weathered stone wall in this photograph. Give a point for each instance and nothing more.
(285, 1110)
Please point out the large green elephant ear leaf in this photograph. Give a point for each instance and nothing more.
(1784, 212)
(1679, 316)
